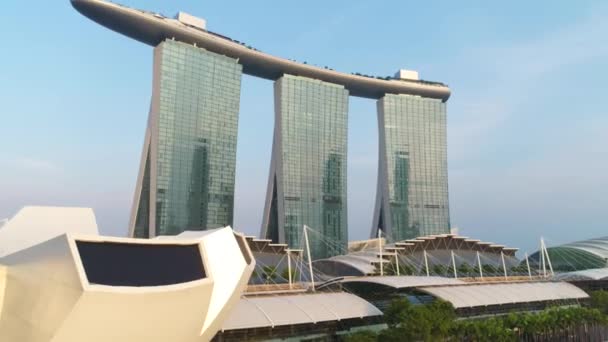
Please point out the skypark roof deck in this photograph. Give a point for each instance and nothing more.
(152, 29)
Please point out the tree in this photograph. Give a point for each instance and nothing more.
(361, 336)
(442, 315)
(397, 334)
(437, 322)
(490, 329)
(465, 270)
(397, 312)
(439, 270)
(599, 300)
(389, 269)
(285, 275)
(406, 270)
(254, 277)
(421, 322)
(488, 270)
(552, 323)
(521, 269)
(269, 274)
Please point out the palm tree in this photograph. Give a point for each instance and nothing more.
(285, 275)
(269, 274)
(465, 270)
(439, 270)
(489, 270)
(406, 270)
(599, 300)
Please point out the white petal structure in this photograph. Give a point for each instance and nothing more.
(79, 287)
(33, 225)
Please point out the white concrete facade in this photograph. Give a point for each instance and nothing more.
(51, 290)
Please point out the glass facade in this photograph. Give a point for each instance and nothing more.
(307, 184)
(412, 194)
(142, 222)
(189, 173)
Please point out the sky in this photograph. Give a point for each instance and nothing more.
(527, 120)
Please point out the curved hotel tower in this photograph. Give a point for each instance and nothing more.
(307, 183)
(412, 193)
(186, 178)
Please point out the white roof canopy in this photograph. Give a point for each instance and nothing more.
(597, 246)
(272, 311)
(476, 295)
(403, 282)
(592, 274)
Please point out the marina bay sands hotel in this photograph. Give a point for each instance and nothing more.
(187, 175)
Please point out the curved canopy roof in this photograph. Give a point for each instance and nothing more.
(360, 263)
(450, 242)
(152, 28)
(273, 311)
(364, 256)
(577, 256)
(403, 282)
(592, 274)
(476, 295)
(597, 246)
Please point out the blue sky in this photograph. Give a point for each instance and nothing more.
(527, 127)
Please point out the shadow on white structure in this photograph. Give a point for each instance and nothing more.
(59, 281)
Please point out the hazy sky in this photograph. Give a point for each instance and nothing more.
(527, 121)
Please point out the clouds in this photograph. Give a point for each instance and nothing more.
(509, 79)
(526, 144)
(559, 195)
(35, 165)
(40, 181)
(564, 47)
(527, 120)
(20, 174)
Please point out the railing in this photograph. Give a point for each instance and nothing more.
(273, 288)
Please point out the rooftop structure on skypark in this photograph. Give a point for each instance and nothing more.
(153, 28)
